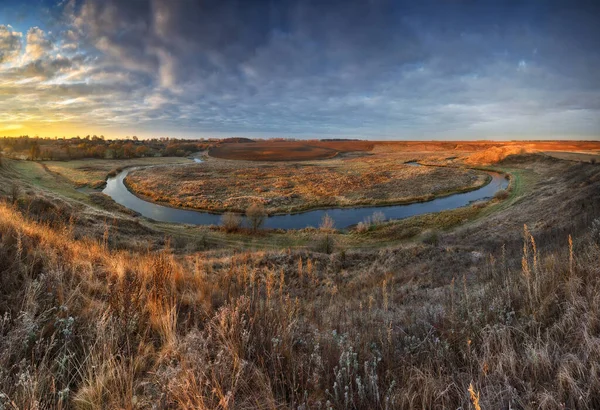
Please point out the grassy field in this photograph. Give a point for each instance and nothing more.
(576, 156)
(496, 301)
(93, 172)
(287, 150)
(511, 320)
(475, 152)
(218, 185)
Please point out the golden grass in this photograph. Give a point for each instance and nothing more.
(84, 326)
(291, 187)
(93, 172)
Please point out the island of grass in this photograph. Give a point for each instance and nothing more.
(288, 187)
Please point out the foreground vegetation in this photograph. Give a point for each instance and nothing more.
(426, 325)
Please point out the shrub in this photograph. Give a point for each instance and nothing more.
(378, 218)
(327, 223)
(256, 215)
(231, 221)
(431, 238)
(501, 195)
(325, 243)
(374, 220)
(362, 227)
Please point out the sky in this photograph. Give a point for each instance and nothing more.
(376, 69)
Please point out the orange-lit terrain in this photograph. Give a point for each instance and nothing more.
(115, 306)
(299, 205)
(487, 151)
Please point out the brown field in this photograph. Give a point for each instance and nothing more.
(576, 156)
(218, 185)
(287, 151)
(487, 151)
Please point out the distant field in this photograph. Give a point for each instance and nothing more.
(469, 152)
(575, 156)
(287, 150)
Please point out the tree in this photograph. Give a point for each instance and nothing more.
(141, 151)
(231, 221)
(128, 150)
(34, 151)
(327, 223)
(256, 215)
(326, 243)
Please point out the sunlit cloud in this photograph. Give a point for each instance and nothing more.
(341, 69)
(10, 44)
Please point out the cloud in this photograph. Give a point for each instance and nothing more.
(38, 44)
(363, 68)
(10, 44)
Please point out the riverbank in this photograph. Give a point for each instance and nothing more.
(343, 217)
(222, 185)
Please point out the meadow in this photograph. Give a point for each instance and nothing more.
(285, 187)
(493, 305)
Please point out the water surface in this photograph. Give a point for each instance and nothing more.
(343, 217)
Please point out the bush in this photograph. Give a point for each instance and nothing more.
(362, 227)
(327, 223)
(378, 218)
(256, 215)
(325, 243)
(231, 221)
(431, 238)
(501, 195)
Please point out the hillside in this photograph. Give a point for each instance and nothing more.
(86, 324)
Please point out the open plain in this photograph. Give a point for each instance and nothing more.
(125, 312)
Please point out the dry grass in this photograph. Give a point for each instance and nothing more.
(451, 323)
(84, 326)
(291, 187)
(93, 172)
(287, 150)
(486, 151)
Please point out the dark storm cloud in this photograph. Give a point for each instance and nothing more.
(373, 68)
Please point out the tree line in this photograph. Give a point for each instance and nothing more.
(35, 148)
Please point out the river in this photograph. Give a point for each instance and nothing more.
(343, 217)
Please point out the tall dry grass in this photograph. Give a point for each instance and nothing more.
(83, 326)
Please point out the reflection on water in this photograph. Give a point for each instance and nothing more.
(343, 217)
